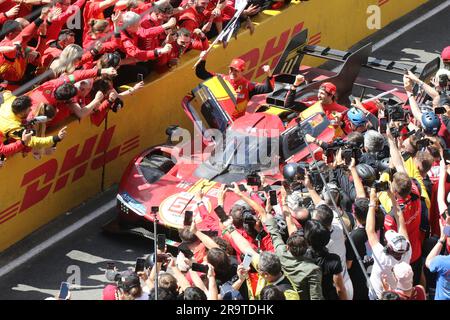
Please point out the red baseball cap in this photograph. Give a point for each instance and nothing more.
(238, 64)
(329, 88)
(445, 55)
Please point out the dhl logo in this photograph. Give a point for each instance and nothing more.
(93, 154)
(272, 51)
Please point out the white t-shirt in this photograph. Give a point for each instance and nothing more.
(144, 296)
(337, 246)
(383, 264)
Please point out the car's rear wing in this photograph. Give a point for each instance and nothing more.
(352, 61)
(395, 67)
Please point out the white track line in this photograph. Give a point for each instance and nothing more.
(410, 25)
(57, 237)
(405, 28)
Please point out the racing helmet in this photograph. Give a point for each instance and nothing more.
(289, 171)
(356, 117)
(366, 173)
(431, 123)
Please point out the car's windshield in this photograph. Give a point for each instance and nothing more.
(240, 152)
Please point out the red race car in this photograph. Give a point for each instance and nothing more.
(164, 179)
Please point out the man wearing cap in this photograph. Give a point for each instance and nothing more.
(129, 285)
(245, 89)
(326, 98)
(397, 249)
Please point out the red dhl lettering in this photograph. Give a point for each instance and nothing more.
(272, 51)
(51, 175)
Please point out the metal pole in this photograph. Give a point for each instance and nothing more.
(155, 223)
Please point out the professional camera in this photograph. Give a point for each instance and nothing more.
(443, 80)
(117, 105)
(395, 113)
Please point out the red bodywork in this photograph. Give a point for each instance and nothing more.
(174, 192)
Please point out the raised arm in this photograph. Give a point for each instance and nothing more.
(396, 157)
(312, 192)
(398, 214)
(437, 248)
(370, 221)
(408, 85)
(426, 87)
(359, 187)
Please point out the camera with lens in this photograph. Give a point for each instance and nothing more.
(381, 186)
(117, 105)
(443, 80)
(395, 113)
(248, 217)
(423, 143)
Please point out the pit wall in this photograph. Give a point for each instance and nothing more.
(92, 159)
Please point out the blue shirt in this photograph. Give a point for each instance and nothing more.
(441, 265)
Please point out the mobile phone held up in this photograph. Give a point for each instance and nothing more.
(200, 267)
(64, 291)
(140, 264)
(161, 240)
(273, 198)
(188, 218)
(383, 125)
(246, 262)
(221, 213)
(140, 77)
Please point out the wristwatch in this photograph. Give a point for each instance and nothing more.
(442, 242)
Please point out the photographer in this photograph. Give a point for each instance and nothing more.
(14, 125)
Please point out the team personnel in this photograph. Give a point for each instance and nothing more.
(245, 89)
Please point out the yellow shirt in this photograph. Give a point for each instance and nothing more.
(11, 125)
(413, 172)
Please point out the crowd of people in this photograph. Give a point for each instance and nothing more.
(368, 222)
(60, 58)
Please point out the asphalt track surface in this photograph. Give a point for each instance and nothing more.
(83, 254)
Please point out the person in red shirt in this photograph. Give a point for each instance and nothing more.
(326, 98)
(61, 91)
(183, 43)
(68, 11)
(55, 47)
(8, 149)
(21, 9)
(9, 14)
(131, 36)
(197, 17)
(244, 88)
(408, 196)
(157, 23)
(13, 64)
